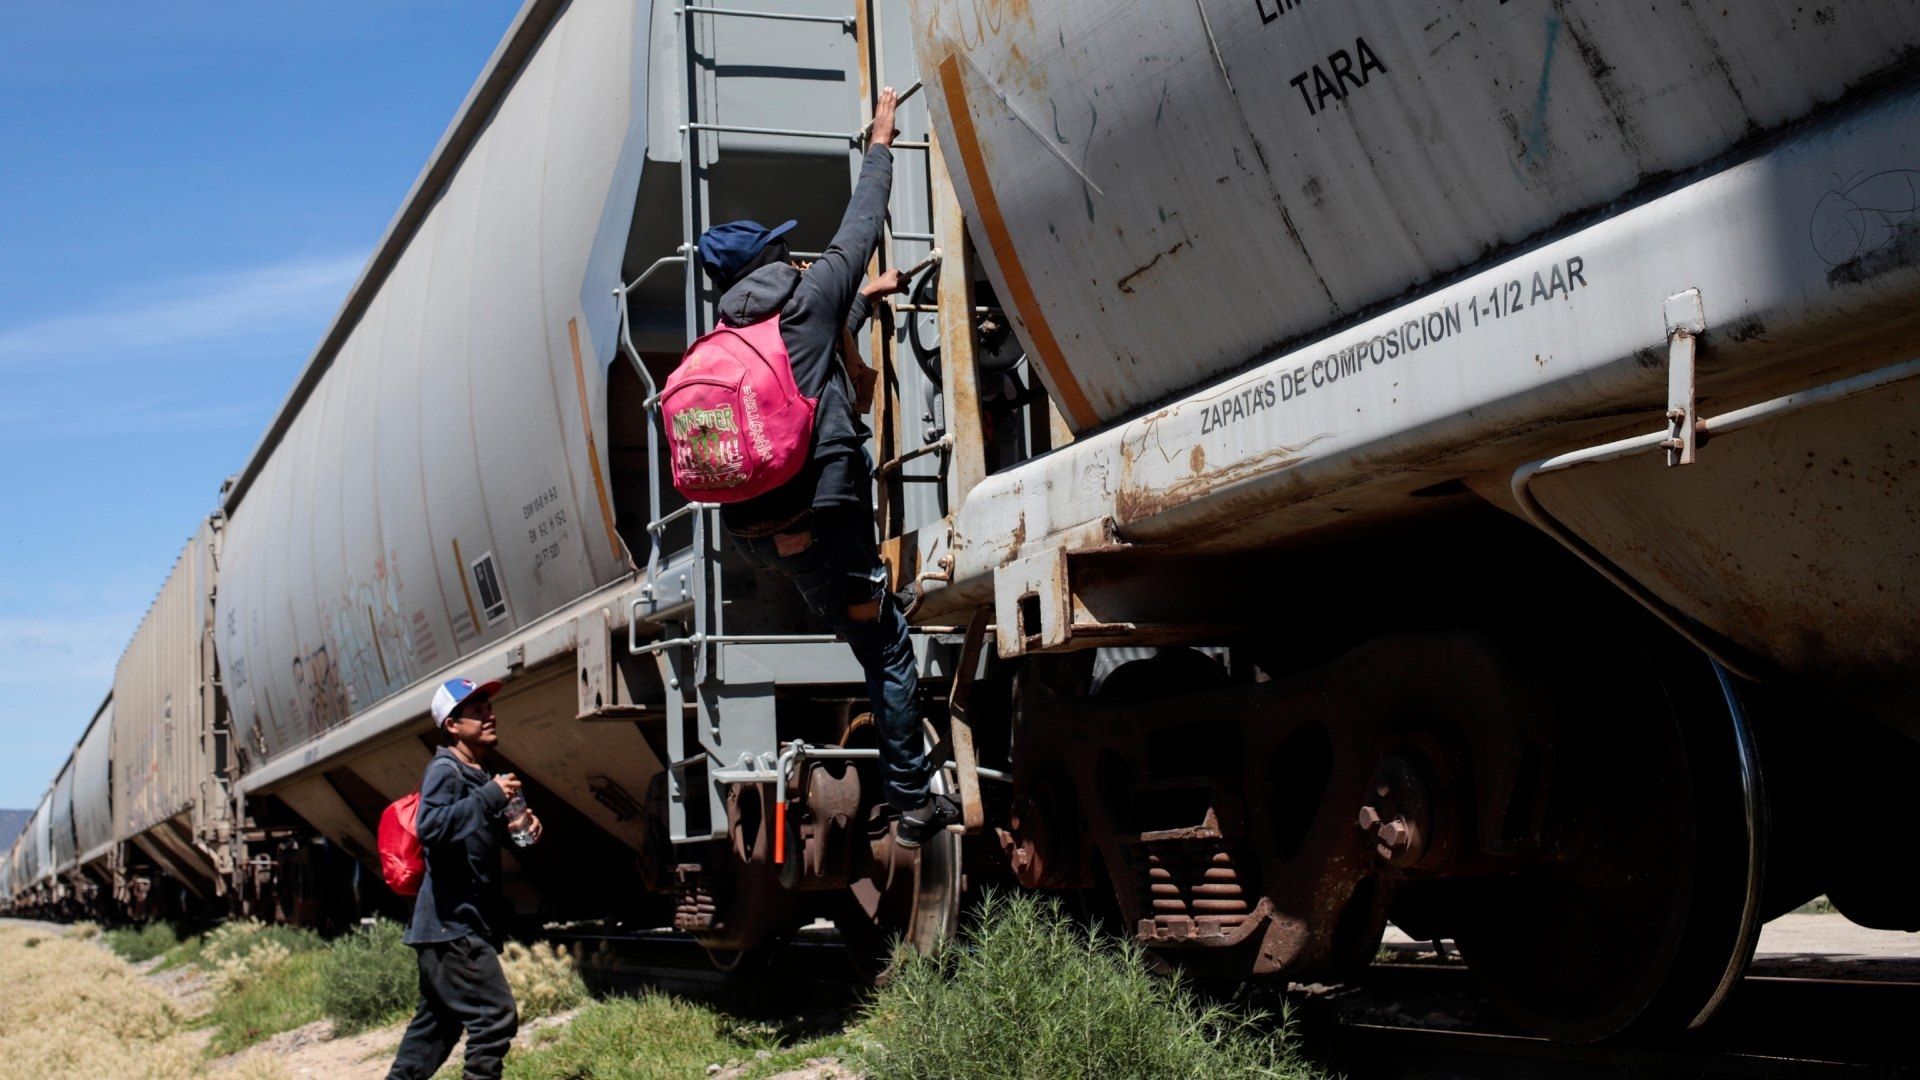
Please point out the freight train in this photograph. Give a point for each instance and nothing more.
(1444, 462)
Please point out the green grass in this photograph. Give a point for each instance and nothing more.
(1026, 993)
(637, 1039)
(270, 979)
(142, 943)
(658, 1036)
(370, 977)
(287, 997)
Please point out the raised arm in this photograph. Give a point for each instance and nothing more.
(834, 278)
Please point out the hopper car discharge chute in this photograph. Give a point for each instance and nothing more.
(1361, 460)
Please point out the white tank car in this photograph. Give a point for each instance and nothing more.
(438, 479)
(92, 795)
(458, 484)
(1363, 316)
(1436, 242)
(40, 866)
(1170, 190)
(60, 844)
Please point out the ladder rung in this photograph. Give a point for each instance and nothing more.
(943, 443)
(847, 137)
(845, 22)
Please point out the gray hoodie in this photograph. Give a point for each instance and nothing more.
(813, 308)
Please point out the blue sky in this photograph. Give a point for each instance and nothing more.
(186, 192)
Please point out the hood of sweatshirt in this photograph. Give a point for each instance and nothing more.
(760, 294)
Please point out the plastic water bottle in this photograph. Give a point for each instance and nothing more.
(519, 821)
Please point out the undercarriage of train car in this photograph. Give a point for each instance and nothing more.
(1596, 813)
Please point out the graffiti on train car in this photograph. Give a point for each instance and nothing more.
(371, 638)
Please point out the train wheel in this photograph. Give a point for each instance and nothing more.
(912, 898)
(1645, 912)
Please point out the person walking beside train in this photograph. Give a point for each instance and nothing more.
(818, 528)
(460, 914)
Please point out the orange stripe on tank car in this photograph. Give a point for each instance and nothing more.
(967, 141)
(593, 454)
(465, 588)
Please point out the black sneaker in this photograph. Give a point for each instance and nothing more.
(907, 598)
(926, 821)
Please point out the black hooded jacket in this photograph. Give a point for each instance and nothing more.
(814, 307)
(461, 831)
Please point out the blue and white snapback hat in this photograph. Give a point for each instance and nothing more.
(448, 696)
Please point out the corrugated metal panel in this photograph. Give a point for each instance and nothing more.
(60, 831)
(440, 485)
(1163, 192)
(92, 783)
(160, 762)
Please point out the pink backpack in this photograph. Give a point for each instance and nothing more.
(736, 424)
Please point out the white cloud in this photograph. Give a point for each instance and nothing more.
(198, 311)
(38, 419)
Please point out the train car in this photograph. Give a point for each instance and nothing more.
(38, 876)
(61, 844)
(95, 857)
(168, 801)
(462, 481)
(1361, 461)
(1523, 394)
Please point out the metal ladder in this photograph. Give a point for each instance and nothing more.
(745, 747)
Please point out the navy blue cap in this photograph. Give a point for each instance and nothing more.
(724, 249)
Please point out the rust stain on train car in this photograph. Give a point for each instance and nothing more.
(1125, 284)
(593, 452)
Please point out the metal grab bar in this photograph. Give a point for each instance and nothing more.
(696, 640)
(1726, 653)
(660, 526)
(942, 444)
(647, 406)
(679, 257)
(845, 22)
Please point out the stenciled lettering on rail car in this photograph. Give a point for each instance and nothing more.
(1502, 300)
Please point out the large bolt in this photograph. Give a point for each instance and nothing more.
(1369, 819)
(1395, 838)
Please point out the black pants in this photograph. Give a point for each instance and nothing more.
(461, 988)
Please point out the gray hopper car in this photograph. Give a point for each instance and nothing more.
(1423, 461)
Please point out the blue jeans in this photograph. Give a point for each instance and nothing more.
(831, 555)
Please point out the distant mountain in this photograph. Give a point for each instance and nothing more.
(11, 822)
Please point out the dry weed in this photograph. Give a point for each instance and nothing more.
(74, 1010)
(237, 971)
(543, 978)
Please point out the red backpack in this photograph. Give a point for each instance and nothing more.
(735, 422)
(402, 860)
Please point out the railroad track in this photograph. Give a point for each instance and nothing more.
(808, 981)
(1774, 1027)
